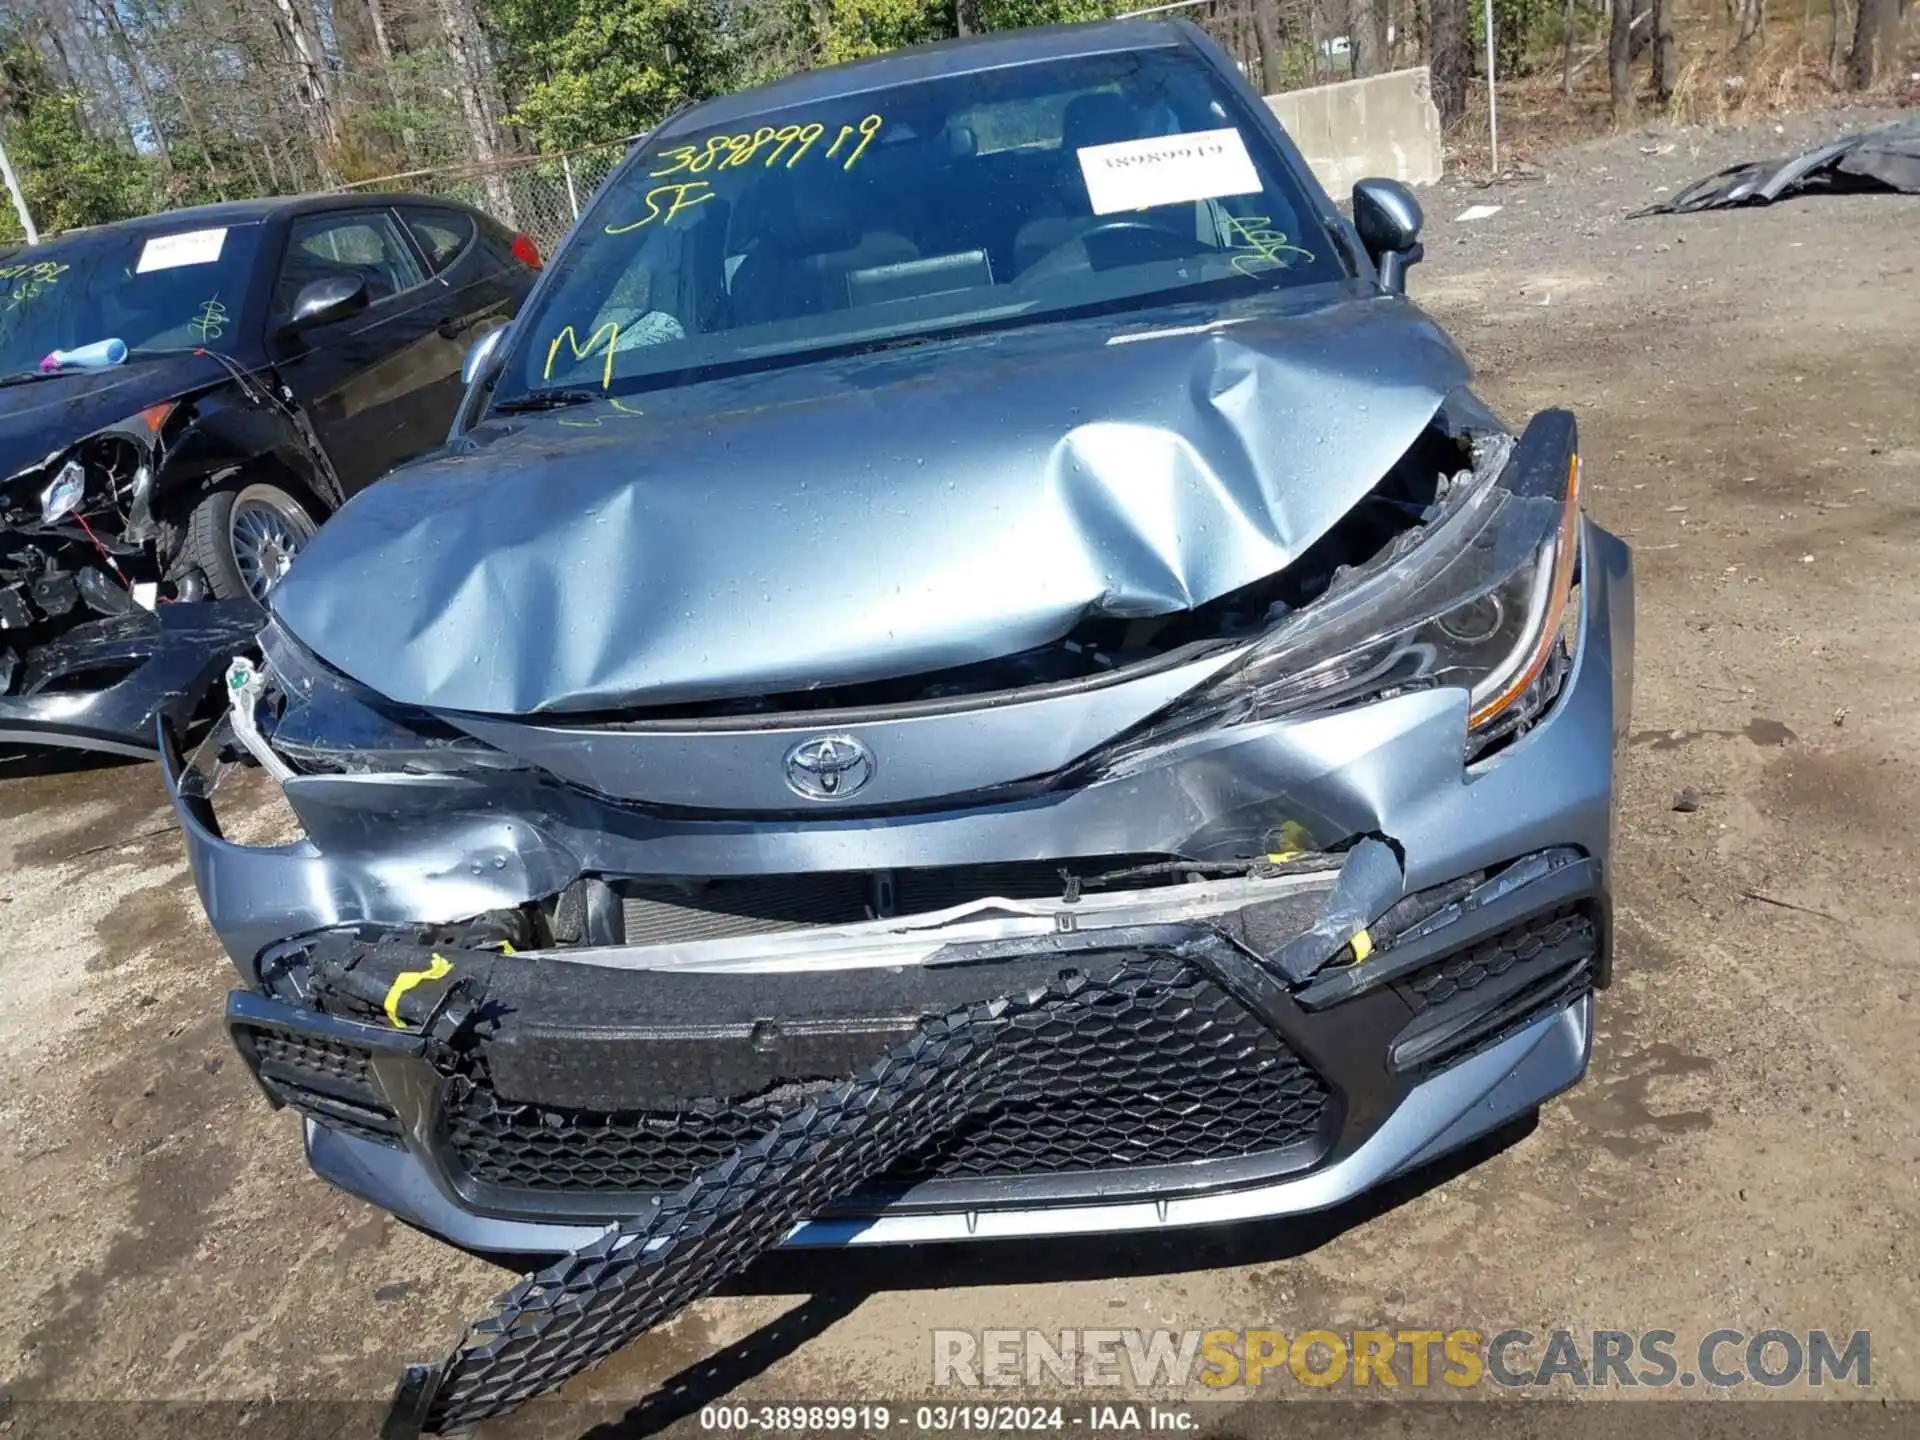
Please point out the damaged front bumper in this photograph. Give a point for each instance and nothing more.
(387, 854)
(1137, 1056)
(1181, 1084)
(102, 684)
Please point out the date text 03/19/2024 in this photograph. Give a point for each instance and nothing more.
(861, 1419)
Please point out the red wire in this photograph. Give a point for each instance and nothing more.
(104, 555)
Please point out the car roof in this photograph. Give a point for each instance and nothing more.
(247, 212)
(971, 55)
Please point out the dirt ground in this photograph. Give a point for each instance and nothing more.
(1745, 1152)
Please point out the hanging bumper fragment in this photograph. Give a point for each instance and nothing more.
(556, 1323)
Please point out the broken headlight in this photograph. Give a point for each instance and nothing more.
(1476, 599)
(63, 493)
(320, 722)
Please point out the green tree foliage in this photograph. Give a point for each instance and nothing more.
(587, 71)
(69, 176)
(595, 70)
(1524, 31)
(856, 29)
(1009, 14)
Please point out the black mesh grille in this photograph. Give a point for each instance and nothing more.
(311, 1055)
(1521, 945)
(1171, 1071)
(1479, 997)
(321, 1078)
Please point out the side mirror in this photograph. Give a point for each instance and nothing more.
(330, 298)
(479, 353)
(1388, 219)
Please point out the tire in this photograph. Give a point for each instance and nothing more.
(243, 537)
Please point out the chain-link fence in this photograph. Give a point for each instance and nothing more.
(541, 195)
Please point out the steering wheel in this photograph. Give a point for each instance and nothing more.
(1073, 253)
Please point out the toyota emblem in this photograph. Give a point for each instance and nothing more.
(829, 767)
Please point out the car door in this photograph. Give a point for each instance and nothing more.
(483, 283)
(371, 383)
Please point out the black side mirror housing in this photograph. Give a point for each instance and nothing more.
(1389, 219)
(323, 301)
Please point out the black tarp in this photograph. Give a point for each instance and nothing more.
(1883, 159)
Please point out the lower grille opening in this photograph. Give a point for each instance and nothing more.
(663, 912)
(1478, 997)
(324, 1079)
(1176, 1072)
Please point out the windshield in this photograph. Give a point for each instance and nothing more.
(1007, 196)
(156, 290)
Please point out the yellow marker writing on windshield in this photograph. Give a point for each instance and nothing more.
(1260, 246)
(743, 152)
(570, 337)
(869, 128)
(210, 323)
(686, 194)
(407, 979)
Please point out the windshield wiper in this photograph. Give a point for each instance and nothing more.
(895, 342)
(546, 400)
(22, 377)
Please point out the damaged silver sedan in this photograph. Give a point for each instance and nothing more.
(973, 669)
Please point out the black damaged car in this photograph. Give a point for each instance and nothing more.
(184, 398)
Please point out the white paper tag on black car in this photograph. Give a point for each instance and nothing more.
(189, 247)
(1167, 169)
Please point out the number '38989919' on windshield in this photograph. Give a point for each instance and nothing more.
(767, 145)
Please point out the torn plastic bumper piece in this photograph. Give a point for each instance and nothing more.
(1371, 880)
(689, 1241)
(563, 1319)
(1530, 886)
(103, 684)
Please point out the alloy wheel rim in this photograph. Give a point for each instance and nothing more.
(265, 541)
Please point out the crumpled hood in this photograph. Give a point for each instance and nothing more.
(870, 516)
(39, 418)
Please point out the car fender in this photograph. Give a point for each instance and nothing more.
(222, 431)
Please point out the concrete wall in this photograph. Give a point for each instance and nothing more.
(1383, 125)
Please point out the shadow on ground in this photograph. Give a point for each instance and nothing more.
(837, 1281)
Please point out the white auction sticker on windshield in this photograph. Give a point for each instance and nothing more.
(189, 247)
(1167, 169)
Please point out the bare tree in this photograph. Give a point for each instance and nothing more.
(478, 93)
(1367, 30)
(1836, 12)
(1452, 57)
(1753, 19)
(1620, 61)
(312, 85)
(1665, 57)
(109, 13)
(1876, 42)
(1566, 50)
(1272, 59)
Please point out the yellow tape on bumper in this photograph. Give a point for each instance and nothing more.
(407, 979)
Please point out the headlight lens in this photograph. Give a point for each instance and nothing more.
(1479, 601)
(320, 722)
(63, 493)
(1540, 631)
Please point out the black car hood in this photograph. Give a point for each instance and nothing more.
(870, 516)
(41, 418)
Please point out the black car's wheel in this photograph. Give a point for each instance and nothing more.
(243, 539)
